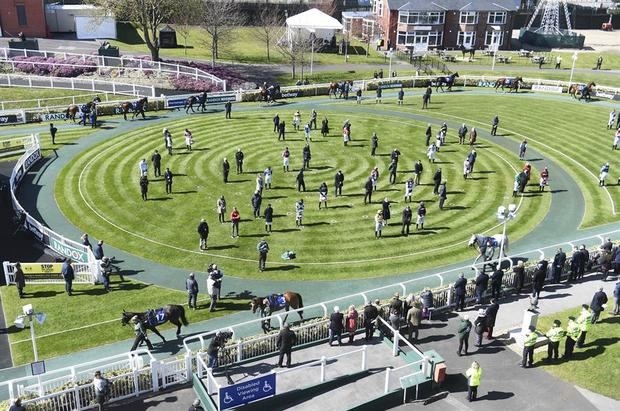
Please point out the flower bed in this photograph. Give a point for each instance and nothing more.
(55, 66)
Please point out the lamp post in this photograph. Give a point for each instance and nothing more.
(504, 215)
(20, 322)
(574, 57)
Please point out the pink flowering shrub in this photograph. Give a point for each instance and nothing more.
(74, 67)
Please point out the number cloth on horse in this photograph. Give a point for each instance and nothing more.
(276, 301)
(156, 317)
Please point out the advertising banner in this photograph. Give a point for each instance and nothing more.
(43, 269)
(8, 117)
(547, 89)
(68, 251)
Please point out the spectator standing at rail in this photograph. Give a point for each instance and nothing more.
(98, 250)
(371, 312)
(558, 265)
(351, 323)
(414, 319)
(496, 281)
(284, 343)
(102, 387)
(156, 160)
(53, 131)
(482, 283)
(336, 325)
(191, 285)
(460, 290)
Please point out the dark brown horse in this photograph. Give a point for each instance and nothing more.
(73, 109)
(275, 302)
(584, 91)
(152, 318)
(512, 83)
(447, 80)
(137, 108)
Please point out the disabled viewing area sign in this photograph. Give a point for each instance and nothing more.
(245, 392)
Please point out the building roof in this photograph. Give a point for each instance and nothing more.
(356, 14)
(454, 5)
(313, 19)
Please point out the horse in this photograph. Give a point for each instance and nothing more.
(189, 104)
(447, 80)
(584, 91)
(511, 83)
(270, 94)
(485, 243)
(73, 109)
(470, 50)
(137, 108)
(275, 302)
(152, 318)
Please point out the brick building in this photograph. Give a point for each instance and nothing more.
(27, 16)
(423, 24)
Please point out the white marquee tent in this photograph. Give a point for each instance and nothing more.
(313, 21)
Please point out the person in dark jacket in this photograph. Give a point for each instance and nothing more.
(482, 283)
(583, 261)
(203, 232)
(538, 282)
(418, 168)
(575, 262)
(519, 275)
(443, 194)
(463, 331)
(436, 181)
(460, 290)
(496, 281)
(191, 285)
(98, 250)
(282, 130)
(168, 176)
(558, 265)
(195, 406)
(393, 169)
(68, 275)
(494, 125)
(491, 314)
(368, 191)
(225, 170)
(301, 184)
(239, 160)
(285, 342)
(407, 216)
(598, 300)
(306, 155)
(336, 325)
(371, 312)
(53, 131)
(268, 214)
(339, 182)
(276, 123)
(256, 201)
(374, 144)
(480, 324)
(156, 159)
(20, 280)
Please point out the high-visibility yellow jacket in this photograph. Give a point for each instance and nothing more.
(474, 375)
(555, 334)
(584, 320)
(530, 339)
(573, 330)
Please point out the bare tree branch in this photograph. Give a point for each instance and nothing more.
(269, 24)
(219, 21)
(186, 17)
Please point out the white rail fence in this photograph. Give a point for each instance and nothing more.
(62, 101)
(102, 63)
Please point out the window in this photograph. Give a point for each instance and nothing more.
(413, 17)
(466, 38)
(378, 7)
(21, 15)
(497, 17)
(431, 38)
(494, 38)
(469, 17)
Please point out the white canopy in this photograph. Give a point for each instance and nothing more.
(313, 19)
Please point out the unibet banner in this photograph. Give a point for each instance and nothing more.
(38, 268)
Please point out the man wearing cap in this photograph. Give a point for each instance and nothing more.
(203, 232)
(463, 332)
(529, 341)
(554, 335)
(491, 313)
(140, 332)
(285, 342)
(191, 285)
(482, 283)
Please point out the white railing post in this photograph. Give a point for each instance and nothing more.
(395, 347)
(386, 387)
(239, 351)
(323, 363)
(364, 357)
(188, 365)
(155, 367)
(76, 393)
(196, 73)
(136, 385)
(114, 88)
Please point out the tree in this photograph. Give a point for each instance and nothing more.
(294, 50)
(219, 21)
(269, 25)
(148, 14)
(187, 15)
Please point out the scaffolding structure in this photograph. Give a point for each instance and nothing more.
(550, 21)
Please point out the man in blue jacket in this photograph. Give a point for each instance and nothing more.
(68, 274)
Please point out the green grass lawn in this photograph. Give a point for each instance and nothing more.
(245, 47)
(342, 235)
(597, 365)
(48, 97)
(86, 309)
(583, 144)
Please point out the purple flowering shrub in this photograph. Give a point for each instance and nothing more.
(74, 67)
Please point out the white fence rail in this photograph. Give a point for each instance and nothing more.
(106, 63)
(38, 102)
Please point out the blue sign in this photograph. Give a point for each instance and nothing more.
(245, 392)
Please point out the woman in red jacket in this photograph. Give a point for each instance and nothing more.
(235, 217)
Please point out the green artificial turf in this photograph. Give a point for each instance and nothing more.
(597, 365)
(336, 243)
(73, 323)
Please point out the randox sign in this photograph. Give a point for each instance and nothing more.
(245, 392)
(53, 117)
(68, 251)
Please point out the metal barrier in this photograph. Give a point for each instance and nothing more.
(38, 101)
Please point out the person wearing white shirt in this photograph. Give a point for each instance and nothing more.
(143, 167)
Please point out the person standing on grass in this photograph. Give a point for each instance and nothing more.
(379, 223)
(284, 343)
(374, 176)
(443, 194)
(494, 125)
(616, 309)
(325, 127)
(572, 335)
(522, 149)
(599, 63)
(286, 155)
(203, 232)
(307, 156)
(385, 208)
(168, 141)
(68, 274)
(168, 179)
(239, 160)
(612, 119)
(214, 285)
(221, 209)
(263, 249)
(313, 117)
(426, 98)
(603, 175)
(598, 301)
(368, 191)
(463, 332)
(268, 214)
(529, 341)
(102, 387)
(323, 195)
(191, 285)
(436, 181)
(473, 374)
(93, 118)
(554, 335)
(256, 202)
(409, 185)
(268, 177)
(379, 94)
(189, 139)
(143, 167)
(462, 133)
(419, 224)
(144, 187)
(393, 167)
(358, 96)
(156, 160)
(401, 96)
(374, 144)
(53, 131)
(235, 217)
(299, 213)
(225, 169)
(228, 109)
(616, 140)
(260, 183)
(296, 120)
(20, 279)
(406, 219)
(276, 123)
(281, 130)
(301, 184)
(418, 168)
(307, 130)
(338, 183)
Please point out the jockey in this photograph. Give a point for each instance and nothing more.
(544, 179)
(603, 175)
